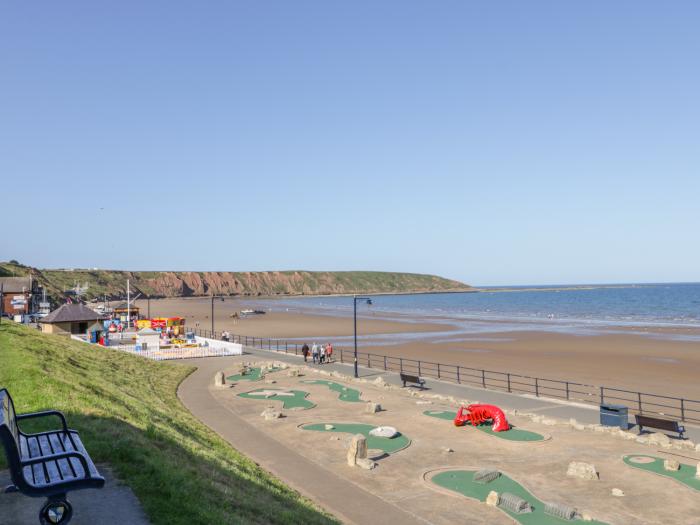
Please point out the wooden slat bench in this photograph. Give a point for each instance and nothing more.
(46, 464)
(660, 424)
(407, 378)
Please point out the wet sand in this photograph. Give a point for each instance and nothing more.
(619, 359)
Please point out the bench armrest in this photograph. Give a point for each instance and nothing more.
(56, 457)
(33, 415)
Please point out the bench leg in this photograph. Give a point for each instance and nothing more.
(10, 489)
(56, 511)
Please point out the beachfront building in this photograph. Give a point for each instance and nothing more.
(73, 319)
(126, 314)
(18, 295)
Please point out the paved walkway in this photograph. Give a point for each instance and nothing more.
(587, 414)
(344, 499)
(114, 503)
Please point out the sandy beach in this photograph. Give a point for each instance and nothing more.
(653, 363)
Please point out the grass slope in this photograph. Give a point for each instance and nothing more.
(129, 416)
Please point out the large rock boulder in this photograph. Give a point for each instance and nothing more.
(582, 470)
(671, 464)
(357, 449)
(220, 379)
(373, 408)
(659, 439)
(270, 414)
(492, 499)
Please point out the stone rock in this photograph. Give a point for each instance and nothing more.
(671, 464)
(270, 414)
(582, 470)
(385, 432)
(586, 517)
(366, 464)
(629, 436)
(424, 402)
(270, 381)
(373, 408)
(658, 439)
(579, 426)
(642, 440)
(357, 449)
(328, 426)
(335, 438)
(293, 373)
(697, 447)
(618, 493)
(549, 422)
(446, 450)
(492, 499)
(220, 379)
(379, 381)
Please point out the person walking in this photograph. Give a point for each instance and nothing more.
(322, 354)
(329, 352)
(305, 352)
(314, 353)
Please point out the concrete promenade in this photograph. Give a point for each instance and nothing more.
(341, 497)
(583, 413)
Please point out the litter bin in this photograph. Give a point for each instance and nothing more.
(614, 416)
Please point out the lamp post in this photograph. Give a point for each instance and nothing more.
(212, 312)
(354, 312)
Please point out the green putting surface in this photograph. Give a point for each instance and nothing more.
(297, 400)
(388, 445)
(346, 394)
(460, 481)
(685, 475)
(514, 434)
(253, 375)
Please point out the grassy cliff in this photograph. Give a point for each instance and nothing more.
(129, 416)
(181, 284)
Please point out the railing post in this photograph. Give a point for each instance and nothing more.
(419, 368)
(602, 396)
(483, 378)
(508, 382)
(438, 370)
(567, 390)
(286, 347)
(341, 355)
(458, 381)
(385, 363)
(537, 388)
(401, 364)
(296, 346)
(682, 409)
(639, 401)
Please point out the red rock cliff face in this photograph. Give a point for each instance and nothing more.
(177, 284)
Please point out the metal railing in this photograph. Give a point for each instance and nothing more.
(637, 402)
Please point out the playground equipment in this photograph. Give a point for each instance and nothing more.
(477, 414)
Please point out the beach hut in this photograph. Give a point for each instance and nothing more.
(72, 319)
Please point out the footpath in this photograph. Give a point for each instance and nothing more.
(586, 414)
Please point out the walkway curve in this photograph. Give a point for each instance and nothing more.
(339, 496)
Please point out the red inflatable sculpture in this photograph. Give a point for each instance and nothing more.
(477, 414)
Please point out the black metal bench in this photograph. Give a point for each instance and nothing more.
(660, 424)
(407, 378)
(46, 464)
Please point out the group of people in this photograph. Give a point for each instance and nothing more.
(319, 353)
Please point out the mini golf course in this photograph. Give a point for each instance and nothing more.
(387, 445)
(254, 374)
(346, 394)
(460, 481)
(291, 399)
(514, 434)
(685, 475)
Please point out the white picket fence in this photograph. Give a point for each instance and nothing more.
(208, 348)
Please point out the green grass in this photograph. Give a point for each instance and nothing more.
(460, 481)
(252, 375)
(296, 401)
(685, 475)
(347, 394)
(388, 445)
(128, 414)
(514, 434)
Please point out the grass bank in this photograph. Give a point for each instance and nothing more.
(129, 416)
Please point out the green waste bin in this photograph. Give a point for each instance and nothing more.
(614, 416)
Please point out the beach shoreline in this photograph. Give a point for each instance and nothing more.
(655, 361)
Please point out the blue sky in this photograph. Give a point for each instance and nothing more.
(491, 142)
